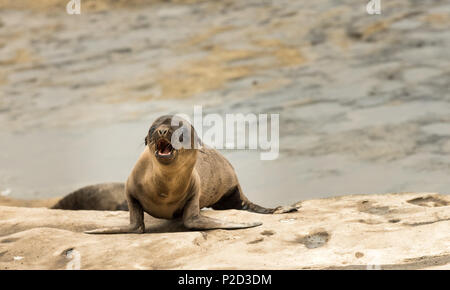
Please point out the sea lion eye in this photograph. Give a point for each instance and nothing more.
(151, 131)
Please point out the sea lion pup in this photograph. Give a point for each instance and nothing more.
(104, 196)
(169, 182)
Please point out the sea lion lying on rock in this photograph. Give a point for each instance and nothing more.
(169, 183)
(105, 196)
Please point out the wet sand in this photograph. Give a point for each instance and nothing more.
(363, 100)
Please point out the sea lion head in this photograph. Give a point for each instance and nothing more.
(171, 139)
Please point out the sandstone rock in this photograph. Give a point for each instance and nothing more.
(391, 231)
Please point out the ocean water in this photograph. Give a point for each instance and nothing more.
(364, 101)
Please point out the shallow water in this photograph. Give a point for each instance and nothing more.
(364, 102)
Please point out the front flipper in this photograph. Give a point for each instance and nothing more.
(192, 219)
(136, 226)
(118, 230)
(285, 209)
(200, 222)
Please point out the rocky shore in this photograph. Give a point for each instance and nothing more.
(390, 231)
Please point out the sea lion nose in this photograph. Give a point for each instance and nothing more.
(163, 132)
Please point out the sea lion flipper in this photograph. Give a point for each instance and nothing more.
(237, 200)
(192, 219)
(285, 209)
(136, 226)
(206, 223)
(118, 230)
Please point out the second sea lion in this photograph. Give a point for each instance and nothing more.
(104, 196)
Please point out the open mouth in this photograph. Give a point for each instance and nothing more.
(164, 148)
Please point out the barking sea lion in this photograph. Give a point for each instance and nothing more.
(169, 183)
